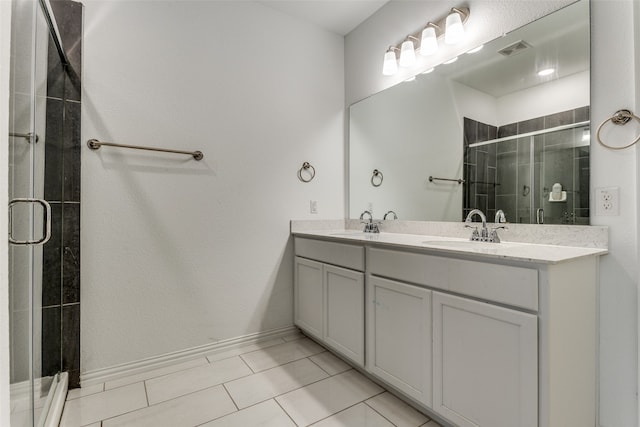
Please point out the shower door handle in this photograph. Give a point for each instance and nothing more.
(46, 229)
(540, 216)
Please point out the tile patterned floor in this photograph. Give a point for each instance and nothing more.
(286, 382)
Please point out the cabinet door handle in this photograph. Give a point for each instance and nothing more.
(46, 219)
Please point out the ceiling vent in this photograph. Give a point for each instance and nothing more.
(514, 48)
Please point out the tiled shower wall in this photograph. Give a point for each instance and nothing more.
(61, 255)
(498, 176)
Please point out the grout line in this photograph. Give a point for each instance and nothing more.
(379, 413)
(156, 376)
(342, 410)
(231, 397)
(324, 370)
(146, 393)
(245, 362)
(285, 411)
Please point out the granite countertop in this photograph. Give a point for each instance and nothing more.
(514, 251)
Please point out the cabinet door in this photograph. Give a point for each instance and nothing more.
(307, 294)
(344, 312)
(485, 364)
(399, 336)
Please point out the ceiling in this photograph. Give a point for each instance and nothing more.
(337, 16)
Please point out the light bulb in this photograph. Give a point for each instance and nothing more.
(428, 42)
(390, 65)
(407, 54)
(454, 30)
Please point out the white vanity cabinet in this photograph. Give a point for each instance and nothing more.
(399, 336)
(480, 340)
(485, 363)
(329, 295)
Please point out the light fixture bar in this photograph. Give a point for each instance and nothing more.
(439, 30)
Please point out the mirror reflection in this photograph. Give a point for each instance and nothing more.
(503, 128)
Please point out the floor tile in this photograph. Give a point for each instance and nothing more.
(243, 349)
(281, 354)
(185, 411)
(96, 407)
(331, 364)
(265, 414)
(396, 411)
(360, 415)
(327, 397)
(273, 382)
(154, 373)
(85, 391)
(190, 380)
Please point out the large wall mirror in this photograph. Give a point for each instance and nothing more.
(491, 131)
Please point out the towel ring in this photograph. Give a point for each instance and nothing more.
(621, 117)
(307, 166)
(377, 174)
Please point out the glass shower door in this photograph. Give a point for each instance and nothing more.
(29, 214)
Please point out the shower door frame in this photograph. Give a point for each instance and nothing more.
(534, 215)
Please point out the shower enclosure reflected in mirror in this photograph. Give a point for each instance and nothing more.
(440, 126)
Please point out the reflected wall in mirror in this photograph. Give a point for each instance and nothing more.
(489, 119)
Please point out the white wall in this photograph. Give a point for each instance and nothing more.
(178, 253)
(612, 88)
(408, 137)
(5, 48)
(556, 96)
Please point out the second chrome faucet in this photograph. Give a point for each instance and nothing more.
(484, 235)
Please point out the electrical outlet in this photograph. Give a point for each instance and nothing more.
(607, 201)
(313, 206)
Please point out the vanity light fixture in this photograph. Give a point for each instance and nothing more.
(407, 53)
(454, 30)
(429, 40)
(546, 72)
(390, 65)
(451, 27)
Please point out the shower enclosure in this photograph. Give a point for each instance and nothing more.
(37, 393)
(535, 177)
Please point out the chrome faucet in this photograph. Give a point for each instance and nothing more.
(477, 236)
(370, 226)
(485, 235)
(390, 212)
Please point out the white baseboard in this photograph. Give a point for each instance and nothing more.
(115, 372)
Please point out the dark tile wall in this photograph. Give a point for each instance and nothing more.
(558, 157)
(61, 255)
(479, 168)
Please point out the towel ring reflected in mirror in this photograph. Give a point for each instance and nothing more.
(620, 118)
(306, 166)
(377, 178)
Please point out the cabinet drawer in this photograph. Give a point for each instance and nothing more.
(340, 254)
(516, 286)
